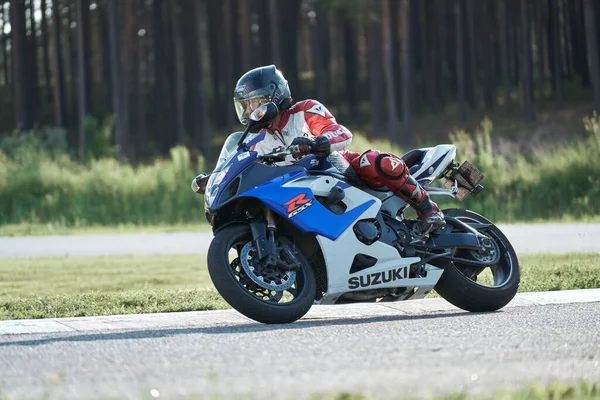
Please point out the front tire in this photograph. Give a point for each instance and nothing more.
(458, 284)
(246, 295)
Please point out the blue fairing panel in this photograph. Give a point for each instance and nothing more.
(302, 209)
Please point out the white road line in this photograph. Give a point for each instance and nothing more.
(196, 319)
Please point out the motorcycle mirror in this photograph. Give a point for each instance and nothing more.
(263, 114)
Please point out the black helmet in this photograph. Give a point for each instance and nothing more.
(260, 85)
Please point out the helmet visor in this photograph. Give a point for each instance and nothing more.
(244, 108)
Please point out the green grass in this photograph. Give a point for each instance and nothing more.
(560, 182)
(582, 390)
(81, 286)
(37, 188)
(26, 229)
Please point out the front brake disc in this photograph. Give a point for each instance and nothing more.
(279, 280)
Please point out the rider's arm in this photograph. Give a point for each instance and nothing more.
(320, 122)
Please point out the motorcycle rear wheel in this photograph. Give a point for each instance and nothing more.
(247, 296)
(458, 284)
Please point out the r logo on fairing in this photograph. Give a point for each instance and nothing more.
(377, 278)
(297, 205)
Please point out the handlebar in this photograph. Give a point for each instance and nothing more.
(276, 156)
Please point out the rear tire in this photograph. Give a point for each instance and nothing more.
(239, 296)
(462, 291)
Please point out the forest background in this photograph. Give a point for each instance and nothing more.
(108, 108)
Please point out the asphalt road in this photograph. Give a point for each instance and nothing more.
(539, 238)
(386, 355)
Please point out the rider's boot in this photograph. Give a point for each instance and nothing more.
(430, 216)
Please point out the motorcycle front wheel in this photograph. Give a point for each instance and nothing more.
(264, 293)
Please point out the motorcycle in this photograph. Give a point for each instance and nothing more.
(288, 237)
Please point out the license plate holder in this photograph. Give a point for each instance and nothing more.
(467, 177)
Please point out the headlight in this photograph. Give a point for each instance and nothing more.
(212, 187)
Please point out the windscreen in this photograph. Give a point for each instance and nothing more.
(230, 147)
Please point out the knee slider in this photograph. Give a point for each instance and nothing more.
(365, 166)
(391, 167)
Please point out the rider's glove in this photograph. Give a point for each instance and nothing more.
(302, 146)
(321, 146)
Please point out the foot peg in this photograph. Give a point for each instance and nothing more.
(425, 226)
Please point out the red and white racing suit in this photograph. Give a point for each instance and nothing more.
(310, 118)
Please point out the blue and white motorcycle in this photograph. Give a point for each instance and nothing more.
(288, 237)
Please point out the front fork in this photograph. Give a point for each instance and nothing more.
(264, 235)
(266, 246)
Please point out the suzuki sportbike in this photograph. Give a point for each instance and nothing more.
(288, 237)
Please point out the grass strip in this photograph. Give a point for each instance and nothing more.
(583, 389)
(84, 286)
(27, 229)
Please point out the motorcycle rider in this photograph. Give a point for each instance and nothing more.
(307, 127)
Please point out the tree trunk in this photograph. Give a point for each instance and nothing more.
(45, 53)
(22, 93)
(539, 44)
(406, 74)
(34, 89)
(87, 53)
(290, 15)
(160, 79)
(324, 53)
(350, 62)
(60, 109)
(394, 18)
(233, 22)
(503, 35)
(578, 34)
(105, 55)
(320, 71)
(376, 75)
(126, 70)
(228, 51)
(472, 91)
(163, 102)
(448, 49)
(179, 74)
(592, 49)
(138, 79)
(244, 33)
(200, 127)
(526, 62)
(3, 43)
(425, 48)
(71, 72)
(556, 53)
(82, 78)
(217, 66)
(116, 89)
(436, 57)
(389, 73)
(275, 33)
(488, 28)
(460, 69)
(567, 10)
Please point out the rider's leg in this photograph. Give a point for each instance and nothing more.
(385, 169)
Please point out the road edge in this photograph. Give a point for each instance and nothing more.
(216, 318)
